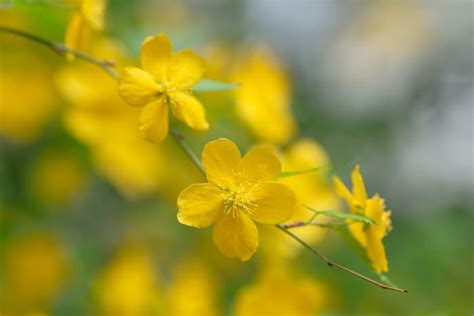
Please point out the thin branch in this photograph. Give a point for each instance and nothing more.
(331, 263)
(294, 224)
(63, 50)
(312, 218)
(187, 149)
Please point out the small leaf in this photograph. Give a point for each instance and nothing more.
(285, 174)
(386, 280)
(344, 215)
(213, 86)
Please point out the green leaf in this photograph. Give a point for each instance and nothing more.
(285, 174)
(213, 86)
(343, 215)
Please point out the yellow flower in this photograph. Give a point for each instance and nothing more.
(100, 119)
(128, 285)
(165, 81)
(277, 293)
(369, 236)
(240, 191)
(88, 13)
(263, 99)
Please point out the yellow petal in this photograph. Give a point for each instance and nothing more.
(75, 33)
(220, 158)
(236, 237)
(260, 163)
(188, 109)
(199, 205)
(343, 191)
(154, 120)
(358, 187)
(93, 12)
(155, 56)
(186, 69)
(376, 252)
(358, 231)
(375, 210)
(275, 204)
(137, 87)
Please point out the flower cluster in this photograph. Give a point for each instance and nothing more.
(243, 190)
(102, 145)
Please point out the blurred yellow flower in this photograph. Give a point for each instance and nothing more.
(166, 81)
(192, 291)
(34, 270)
(87, 13)
(263, 99)
(97, 114)
(135, 167)
(26, 99)
(128, 286)
(57, 176)
(240, 191)
(313, 189)
(218, 58)
(277, 293)
(369, 236)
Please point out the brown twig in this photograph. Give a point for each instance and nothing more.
(331, 263)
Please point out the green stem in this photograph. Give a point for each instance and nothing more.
(63, 50)
(185, 147)
(331, 263)
(286, 174)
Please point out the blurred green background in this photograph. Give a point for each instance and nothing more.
(384, 84)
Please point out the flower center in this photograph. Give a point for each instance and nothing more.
(170, 91)
(168, 88)
(239, 199)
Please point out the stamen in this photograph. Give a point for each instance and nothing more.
(239, 199)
